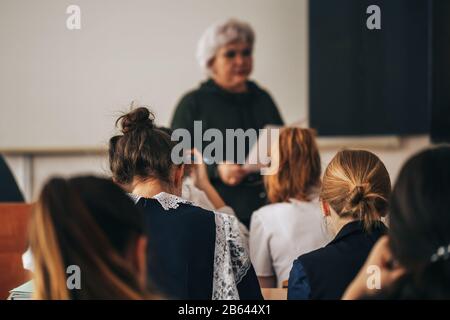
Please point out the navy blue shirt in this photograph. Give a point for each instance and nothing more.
(325, 273)
(181, 256)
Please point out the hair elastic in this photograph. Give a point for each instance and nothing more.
(442, 253)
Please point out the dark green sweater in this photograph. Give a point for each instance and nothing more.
(220, 109)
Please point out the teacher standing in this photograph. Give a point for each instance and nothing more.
(229, 100)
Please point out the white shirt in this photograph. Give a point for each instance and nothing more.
(281, 232)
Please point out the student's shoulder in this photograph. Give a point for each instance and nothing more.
(174, 205)
(318, 256)
(267, 211)
(194, 210)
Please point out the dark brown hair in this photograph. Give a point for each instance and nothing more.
(420, 225)
(356, 184)
(142, 150)
(299, 166)
(88, 222)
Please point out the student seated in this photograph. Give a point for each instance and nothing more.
(196, 188)
(293, 224)
(87, 224)
(414, 259)
(193, 253)
(354, 197)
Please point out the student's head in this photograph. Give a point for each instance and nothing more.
(420, 221)
(86, 231)
(111, 153)
(143, 153)
(356, 186)
(299, 166)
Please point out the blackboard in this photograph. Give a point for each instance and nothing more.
(440, 105)
(370, 82)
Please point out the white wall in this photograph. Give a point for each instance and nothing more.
(63, 89)
(32, 173)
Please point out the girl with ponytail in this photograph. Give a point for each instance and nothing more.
(354, 197)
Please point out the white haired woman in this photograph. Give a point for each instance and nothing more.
(229, 100)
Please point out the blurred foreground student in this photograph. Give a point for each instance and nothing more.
(354, 197)
(193, 253)
(293, 223)
(414, 260)
(90, 224)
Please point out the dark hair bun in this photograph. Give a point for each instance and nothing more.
(140, 118)
(143, 151)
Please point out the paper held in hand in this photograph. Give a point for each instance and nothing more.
(260, 154)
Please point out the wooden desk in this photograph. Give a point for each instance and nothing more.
(274, 293)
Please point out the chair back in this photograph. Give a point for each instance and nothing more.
(14, 219)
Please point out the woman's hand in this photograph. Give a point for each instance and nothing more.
(198, 172)
(379, 259)
(231, 174)
(199, 176)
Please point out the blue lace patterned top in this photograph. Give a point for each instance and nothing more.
(195, 253)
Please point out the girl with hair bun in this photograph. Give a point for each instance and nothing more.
(192, 253)
(354, 197)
